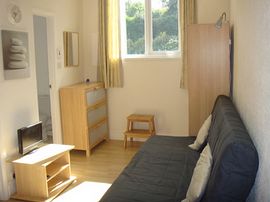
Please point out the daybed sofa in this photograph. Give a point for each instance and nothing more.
(162, 169)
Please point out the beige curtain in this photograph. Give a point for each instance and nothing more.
(187, 16)
(109, 62)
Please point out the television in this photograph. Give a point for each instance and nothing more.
(29, 138)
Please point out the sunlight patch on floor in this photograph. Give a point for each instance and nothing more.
(86, 191)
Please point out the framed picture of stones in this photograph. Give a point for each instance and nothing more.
(15, 54)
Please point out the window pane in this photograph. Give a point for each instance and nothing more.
(135, 26)
(165, 25)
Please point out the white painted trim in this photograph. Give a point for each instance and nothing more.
(52, 62)
(150, 57)
(4, 189)
(123, 29)
(52, 68)
(147, 27)
(39, 12)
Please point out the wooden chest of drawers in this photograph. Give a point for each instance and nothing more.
(84, 115)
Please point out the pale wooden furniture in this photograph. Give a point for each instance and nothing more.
(131, 132)
(84, 115)
(208, 70)
(43, 174)
(104, 165)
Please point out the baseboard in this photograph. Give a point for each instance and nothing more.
(120, 136)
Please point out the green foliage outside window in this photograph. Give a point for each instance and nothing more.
(164, 25)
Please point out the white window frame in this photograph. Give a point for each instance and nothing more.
(149, 52)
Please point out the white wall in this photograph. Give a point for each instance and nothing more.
(90, 38)
(251, 21)
(150, 86)
(208, 11)
(18, 98)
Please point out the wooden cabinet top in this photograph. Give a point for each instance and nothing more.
(85, 86)
(43, 154)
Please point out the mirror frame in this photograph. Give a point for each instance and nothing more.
(66, 35)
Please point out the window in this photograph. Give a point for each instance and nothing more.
(150, 27)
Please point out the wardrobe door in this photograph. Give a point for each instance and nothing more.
(208, 70)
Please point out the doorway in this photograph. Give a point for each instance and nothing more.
(40, 25)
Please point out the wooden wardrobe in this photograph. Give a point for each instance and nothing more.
(208, 70)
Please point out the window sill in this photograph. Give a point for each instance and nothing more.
(150, 57)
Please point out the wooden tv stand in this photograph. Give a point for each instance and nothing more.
(43, 174)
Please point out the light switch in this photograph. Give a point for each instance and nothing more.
(59, 53)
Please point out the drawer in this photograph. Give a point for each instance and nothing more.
(96, 95)
(96, 115)
(98, 133)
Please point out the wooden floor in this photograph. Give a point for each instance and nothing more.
(105, 163)
(103, 166)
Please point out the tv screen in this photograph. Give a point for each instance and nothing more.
(29, 137)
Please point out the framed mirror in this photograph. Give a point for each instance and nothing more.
(71, 49)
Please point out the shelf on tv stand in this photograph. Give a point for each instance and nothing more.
(46, 172)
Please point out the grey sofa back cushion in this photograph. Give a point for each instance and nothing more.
(235, 159)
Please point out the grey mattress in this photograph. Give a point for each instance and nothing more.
(160, 172)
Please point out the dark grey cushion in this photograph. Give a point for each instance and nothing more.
(235, 159)
(160, 172)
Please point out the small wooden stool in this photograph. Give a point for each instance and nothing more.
(139, 133)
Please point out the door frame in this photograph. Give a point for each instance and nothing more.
(51, 39)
